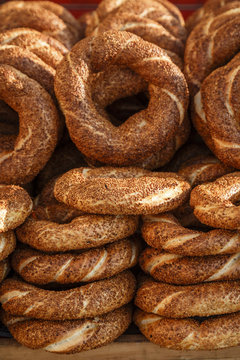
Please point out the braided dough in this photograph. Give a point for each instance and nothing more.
(190, 334)
(137, 138)
(165, 232)
(95, 264)
(213, 203)
(176, 301)
(44, 16)
(15, 207)
(177, 269)
(68, 337)
(38, 127)
(130, 190)
(7, 244)
(97, 298)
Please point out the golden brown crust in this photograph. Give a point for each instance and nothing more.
(68, 337)
(213, 203)
(165, 232)
(181, 301)
(128, 143)
(45, 47)
(29, 64)
(95, 264)
(15, 206)
(177, 269)
(208, 45)
(36, 15)
(130, 190)
(83, 232)
(208, 9)
(7, 244)
(110, 6)
(37, 126)
(219, 96)
(189, 334)
(97, 298)
(157, 25)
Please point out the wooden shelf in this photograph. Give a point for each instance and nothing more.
(127, 347)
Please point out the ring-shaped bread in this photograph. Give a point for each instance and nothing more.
(15, 206)
(164, 232)
(38, 127)
(69, 337)
(97, 298)
(216, 203)
(95, 264)
(143, 133)
(48, 49)
(42, 16)
(129, 191)
(181, 301)
(185, 270)
(190, 334)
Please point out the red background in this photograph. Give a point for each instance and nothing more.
(78, 7)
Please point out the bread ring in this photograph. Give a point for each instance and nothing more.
(180, 301)
(15, 207)
(203, 169)
(38, 126)
(128, 143)
(208, 47)
(110, 6)
(213, 203)
(165, 232)
(29, 64)
(219, 128)
(130, 190)
(94, 264)
(177, 269)
(97, 298)
(45, 47)
(46, 207)
(150, 25)
(7, 244)
(198, 170)
(83, 232)
(35, 15)
(208, 9)
(4, 269)
(190, 334)
(68, 337)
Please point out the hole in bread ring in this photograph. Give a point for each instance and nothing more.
(93, 133)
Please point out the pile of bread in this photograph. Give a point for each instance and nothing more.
(97, 154)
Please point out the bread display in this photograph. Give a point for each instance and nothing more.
(95, 125)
